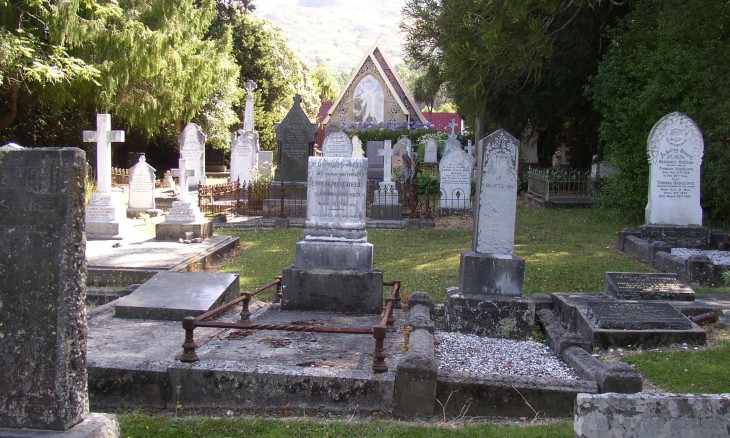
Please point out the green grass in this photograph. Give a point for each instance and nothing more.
(564, 251)
(687, 371)
(137, 425)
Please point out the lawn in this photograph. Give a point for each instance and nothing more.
(564, 251)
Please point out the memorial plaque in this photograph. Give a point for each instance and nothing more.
(337, 144)
(295, 137)
(43, 383)
(636, 316)
(647, 286)
(336, 193)
(675, 148)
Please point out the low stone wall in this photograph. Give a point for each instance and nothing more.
(652, 415)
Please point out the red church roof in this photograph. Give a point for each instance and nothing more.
(441, 121)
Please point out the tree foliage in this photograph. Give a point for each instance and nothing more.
(666, 55)
(512, 63)
(325, 82)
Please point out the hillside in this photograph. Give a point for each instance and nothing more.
(337, 31)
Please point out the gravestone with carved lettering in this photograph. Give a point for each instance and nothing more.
(141, 189)
(244, 156)
(192, 149)
(455, 169)
(42, 310)
(333, 268)
(647, 286)
(337, 144)
(295, 137)
(490, 275)
(184, 218)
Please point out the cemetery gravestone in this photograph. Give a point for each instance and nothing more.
(141, 188)
(248, 114)
(244, 154)
(192, 149)
(357, 151)
(42, 272)
(455, 169)
(333, 267)
(386, 202)
(375, 160)
(184, 215)
(647, 286)
(266, 163)
(451, 143)
(295, 137)
(675, 149)
(337, 144)
(431, 153)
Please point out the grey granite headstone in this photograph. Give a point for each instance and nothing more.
(337, 144)
(295, 137)
(675, 148)
(42, 271)
(175, 295)
(192, 149)
(647, 286)
(375, 159)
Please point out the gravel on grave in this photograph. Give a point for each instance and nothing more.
(475, 354)
(716, 257)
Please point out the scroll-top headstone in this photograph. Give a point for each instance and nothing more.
(42, 264)
(192, 149)
(494, 222)
(675, 148)
(337, 144)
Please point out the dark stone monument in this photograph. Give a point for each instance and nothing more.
(42, 273)
(375, 159)
(295, 137)
(647, 286)
(175, 295)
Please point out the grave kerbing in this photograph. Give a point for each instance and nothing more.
(333, 268)
(42, 272)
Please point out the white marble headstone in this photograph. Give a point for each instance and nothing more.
(431, 153)
(192, 149)
(675, 149)
(451, 143)
(337, 144)
(244, 156)
(336, 191)
(357, 150)
(141, 186)
(455, 169)
(494, 222)
(266, 163)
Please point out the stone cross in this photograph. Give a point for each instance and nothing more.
(248, 110)
(103, 136)
(563, 154)
(387, 154)
(183, 182)
(452, 125)
(470, 149)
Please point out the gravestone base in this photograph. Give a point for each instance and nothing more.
(393, 212)
(500, 316)
(501, 274)
(133, 213)
(175, 295)
(677, 236)
(334, 256)
(171, 231)
(104, 230)
(608, 324)
(332, 290)
(95, 425)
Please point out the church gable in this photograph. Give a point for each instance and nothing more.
(374, 94)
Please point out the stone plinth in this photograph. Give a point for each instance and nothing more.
(489, 315)
(330, 290)
(334, 256)
(171, 231)
(491, 274)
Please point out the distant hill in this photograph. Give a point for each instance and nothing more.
(338, 32)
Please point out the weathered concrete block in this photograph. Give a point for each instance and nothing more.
(612, 376)
(700, 271)
(677, 236)
(416, 378)
(419, 317)
(652, 415)
(337, 291)
(420, 298)
(557, 335)
(489, 315)
(171, 231)
(491, 274)
(351, 256)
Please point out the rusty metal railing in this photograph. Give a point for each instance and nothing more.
(378, 332)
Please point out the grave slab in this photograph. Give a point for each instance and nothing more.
(647, 286)
(632, 323)
(175, 295)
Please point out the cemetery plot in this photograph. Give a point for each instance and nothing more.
(647, 286)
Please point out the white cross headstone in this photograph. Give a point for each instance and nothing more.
(103, 137)
(452, 125)
(387, 154)
(183, 194)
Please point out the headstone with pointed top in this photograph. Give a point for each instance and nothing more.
(141, 188)
(295, 137)
(192, 149)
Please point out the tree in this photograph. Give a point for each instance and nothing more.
(325, 83)
(427, 87)
(513, 63)
(666, 55)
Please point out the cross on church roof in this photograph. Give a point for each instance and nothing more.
(103, 136)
